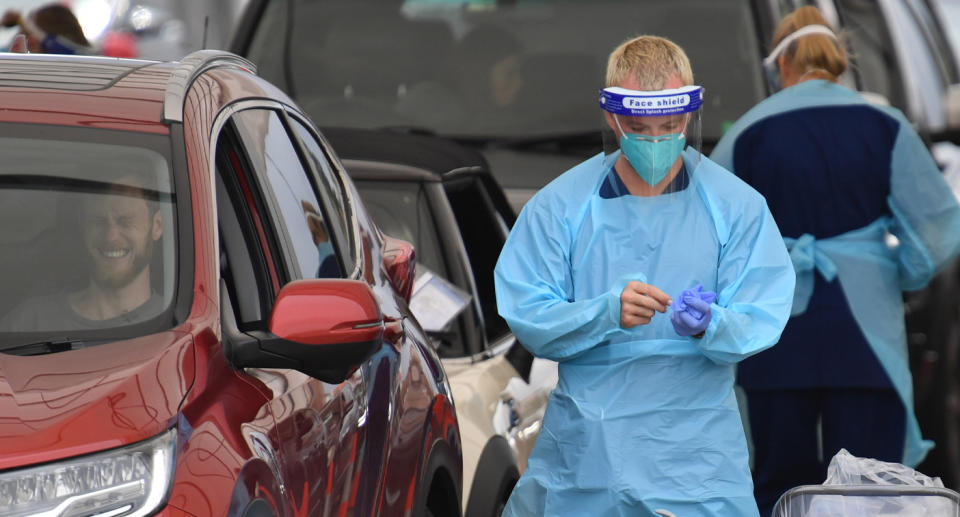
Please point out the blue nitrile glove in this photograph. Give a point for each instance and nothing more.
(691, 311)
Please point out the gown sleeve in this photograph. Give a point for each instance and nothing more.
(755, 283)
(926, 216)
(534, 289)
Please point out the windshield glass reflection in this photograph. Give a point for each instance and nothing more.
(87, 240)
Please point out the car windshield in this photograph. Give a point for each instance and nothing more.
(484, 69)
(87, 235)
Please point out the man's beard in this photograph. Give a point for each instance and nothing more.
(111, 279)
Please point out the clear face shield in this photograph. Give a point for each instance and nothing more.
(657, 132)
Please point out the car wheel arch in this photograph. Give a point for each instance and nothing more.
(256, 492)
(498, 463)
(439, 492)
(258, 508)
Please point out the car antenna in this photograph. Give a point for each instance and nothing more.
(206, 24)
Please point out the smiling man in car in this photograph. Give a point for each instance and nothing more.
(120, 225)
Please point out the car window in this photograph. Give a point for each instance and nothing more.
(873, 58)
(923, 75)
(243, 264)
(503, 68)
(331, 187)
(401, 210)
(265, 45)
(484, 233)
(299, 218)
(948, 12)
(85, 212)
(937, 41)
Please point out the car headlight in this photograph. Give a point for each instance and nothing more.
(126, 482)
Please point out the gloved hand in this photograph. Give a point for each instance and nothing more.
(691, 312)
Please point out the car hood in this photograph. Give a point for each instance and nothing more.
(71, 403)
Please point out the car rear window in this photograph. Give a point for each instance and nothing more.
(88, 237)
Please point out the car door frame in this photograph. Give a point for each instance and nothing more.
(293, 391)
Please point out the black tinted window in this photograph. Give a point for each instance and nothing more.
(484, 232)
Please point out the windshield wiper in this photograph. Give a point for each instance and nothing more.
(45, 347)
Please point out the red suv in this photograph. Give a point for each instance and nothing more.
(197, 316)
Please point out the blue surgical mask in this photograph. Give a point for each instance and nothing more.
(652, 157)
(324, 249)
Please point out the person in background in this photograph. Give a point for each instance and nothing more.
(50, 29)
(329, 267)
(487, 77)
(488, 68)
(838, 174)
(644, 419)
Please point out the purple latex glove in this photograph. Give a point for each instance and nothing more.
(691, 311)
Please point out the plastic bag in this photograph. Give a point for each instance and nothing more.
(847, 469)
(858, 487)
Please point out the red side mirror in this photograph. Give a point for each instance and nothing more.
(328, 311)
(399, 259)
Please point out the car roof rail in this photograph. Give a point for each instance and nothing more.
(191, 66)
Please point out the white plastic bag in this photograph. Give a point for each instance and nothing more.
(861, 487)
(847, 469)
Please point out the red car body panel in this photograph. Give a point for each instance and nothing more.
(304, 447)
(119, 393)
(129, 103)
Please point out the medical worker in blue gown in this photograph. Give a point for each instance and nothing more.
(839, 174)
(647, 274)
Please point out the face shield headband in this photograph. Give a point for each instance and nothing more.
(636, 103)
(770, 62)
(653, 155)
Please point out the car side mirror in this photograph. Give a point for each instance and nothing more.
(325, 328)
(951, 106)
(399, 260)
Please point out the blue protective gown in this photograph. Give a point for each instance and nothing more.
(838, 175)
(641, 418)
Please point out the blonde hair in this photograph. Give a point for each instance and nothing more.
(651, 60)
(814, 52)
